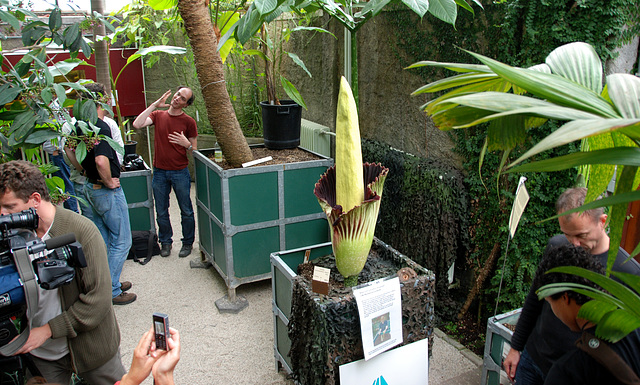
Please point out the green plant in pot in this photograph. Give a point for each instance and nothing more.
(350, 192)
(281, 118)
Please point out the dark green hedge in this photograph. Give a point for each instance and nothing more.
(425, 209)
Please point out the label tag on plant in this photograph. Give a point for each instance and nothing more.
(320, 282)
(307, 253)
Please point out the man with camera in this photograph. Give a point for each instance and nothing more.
(74, 328)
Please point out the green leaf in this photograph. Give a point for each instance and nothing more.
(160, 5)
(455, 81)
(618, 155)
(624, 91)
(8, 18)
(81, 151)
(374, 7)
(46, 95)
(445, 10)
(631, 280)
(172, 50)
(40, 136)
(616, 325)
(465, 5)
(60, 93)
(64, 67)
(292, 92)
(457, 67)
(8, 93)
(256, 52)
(296, 59)
(578, 62)
(506, 133)
(578, 129)
(554, 88)
(55, 19)
(71, 34)
(600, 174)
(115, 145)
(594, 310)
(265, 6)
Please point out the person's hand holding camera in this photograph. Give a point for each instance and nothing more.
(164, 366)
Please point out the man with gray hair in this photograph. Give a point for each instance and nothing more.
(540, 338)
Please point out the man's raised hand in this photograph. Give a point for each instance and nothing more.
(162, 102)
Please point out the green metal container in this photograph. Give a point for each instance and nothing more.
(245, 214)
(137, 189)
(498, 336)
(284, 266)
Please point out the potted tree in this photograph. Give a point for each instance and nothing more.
(280, 117)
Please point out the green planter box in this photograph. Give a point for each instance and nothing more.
(245, 214)
(418, 310)
(498, 336)
(137, 189)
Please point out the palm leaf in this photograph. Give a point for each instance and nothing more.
(578, 129)
(578, 62)
(551, 87)
(624, 91)
(612, 156)
(615, 325)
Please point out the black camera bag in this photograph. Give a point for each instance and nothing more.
(144, 245)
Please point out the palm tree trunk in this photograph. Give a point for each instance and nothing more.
(101, 49)
(209, 68)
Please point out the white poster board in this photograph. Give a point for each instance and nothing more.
(519, 204)
(406, 365)
(380, 310)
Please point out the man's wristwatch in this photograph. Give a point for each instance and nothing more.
(190, 147)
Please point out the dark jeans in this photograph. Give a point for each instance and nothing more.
(63, 173)
(528, 373)
(180, 181)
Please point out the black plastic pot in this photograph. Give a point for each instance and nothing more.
(130, 147)
(281, 124)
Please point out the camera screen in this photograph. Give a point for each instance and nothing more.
(159, 328)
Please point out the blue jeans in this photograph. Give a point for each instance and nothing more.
(63, 173)
(528, 372)
(111, 216)
(85, 208)
(180, 181)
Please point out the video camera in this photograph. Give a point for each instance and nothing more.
(52, 270)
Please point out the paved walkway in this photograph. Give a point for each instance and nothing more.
(232, 348)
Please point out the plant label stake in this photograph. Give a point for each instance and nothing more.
(320, 282)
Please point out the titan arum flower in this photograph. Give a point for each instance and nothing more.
(350, 192)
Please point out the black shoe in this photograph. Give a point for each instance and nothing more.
(184, 251)
(166, 250)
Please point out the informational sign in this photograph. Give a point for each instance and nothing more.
(406, 365)
(519, 204)
(320, 282)
(380, 311)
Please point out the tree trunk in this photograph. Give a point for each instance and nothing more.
(482, 276)
(209, 68)
(101, 50)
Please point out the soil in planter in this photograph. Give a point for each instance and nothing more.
(279, 156)
(375, 268)
(469, 333)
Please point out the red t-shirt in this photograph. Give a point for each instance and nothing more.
(170, 156)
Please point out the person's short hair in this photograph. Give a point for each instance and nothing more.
(573, 198)
(566, 255)
(193, 96)
(23, 178)
(97, 89)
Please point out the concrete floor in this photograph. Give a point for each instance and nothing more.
(232, 348)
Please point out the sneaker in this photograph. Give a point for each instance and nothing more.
(126, 285)
(165, 250)
(184, 251)
(124, 298)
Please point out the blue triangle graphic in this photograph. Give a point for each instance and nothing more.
(380, 381)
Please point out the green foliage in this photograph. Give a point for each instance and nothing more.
(518, 32)
(491, 204)
(425, 209)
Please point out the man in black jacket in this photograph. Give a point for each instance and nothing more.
(540, 337)
(578, 366)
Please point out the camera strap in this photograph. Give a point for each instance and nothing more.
(28, 277)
